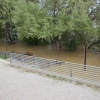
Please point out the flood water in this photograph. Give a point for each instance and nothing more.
(52, 52)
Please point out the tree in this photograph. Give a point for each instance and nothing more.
(30, 20)
(80, 21)
(95, 16)
(54, 19)
(6, 18)
(55, 10)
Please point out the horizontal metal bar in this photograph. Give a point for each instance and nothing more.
(59, 68)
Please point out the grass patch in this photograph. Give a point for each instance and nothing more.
(56, 78)
(79, 83)
(62, 79)
(96, 88)
(3, 57)
(48, 75)
(51, 76)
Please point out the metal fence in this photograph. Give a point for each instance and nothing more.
(67, 70)
(5, 55)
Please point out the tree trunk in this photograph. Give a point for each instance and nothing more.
(59, 44)
(85, 56)
(58, 41)
(8, 33)
(93, 44)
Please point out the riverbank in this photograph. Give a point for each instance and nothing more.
(17, 84)
(52, 52)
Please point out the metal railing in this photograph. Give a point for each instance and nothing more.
(62, 69)
(5, 55)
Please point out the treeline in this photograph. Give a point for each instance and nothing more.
(65, 22)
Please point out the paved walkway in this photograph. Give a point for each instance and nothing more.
(16, 84)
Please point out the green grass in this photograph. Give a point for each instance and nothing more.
(1, 56)
(56, 78)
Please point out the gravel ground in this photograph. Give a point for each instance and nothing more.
(16, 84)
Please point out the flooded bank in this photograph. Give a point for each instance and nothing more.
(52, 52)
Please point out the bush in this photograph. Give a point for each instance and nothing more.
(71, 44)
(35, 41)
(31, 41)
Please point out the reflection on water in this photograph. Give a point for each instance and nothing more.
(52, 52)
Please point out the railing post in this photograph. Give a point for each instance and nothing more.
(22, 60)
(10, 57)
(94, 74)
(85, 56)
(5, 55)
(71, 71)
(35, 62)
(51, 66)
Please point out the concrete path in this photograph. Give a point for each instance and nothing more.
(16, 84)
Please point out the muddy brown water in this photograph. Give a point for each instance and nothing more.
(52, 52)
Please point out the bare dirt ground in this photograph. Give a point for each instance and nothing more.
(16, 84)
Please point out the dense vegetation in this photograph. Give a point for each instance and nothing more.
(67, 22)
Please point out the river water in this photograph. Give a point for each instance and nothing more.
(52, 52)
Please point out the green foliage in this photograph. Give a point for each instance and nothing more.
(5, 15)
(5, 11)
(37, 23)
(2, 35)
(35, 41)
(43, 42)
(31, 21)
(70, 41)
(80, 21)
(31, 41)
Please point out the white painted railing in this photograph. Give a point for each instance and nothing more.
(67, 70)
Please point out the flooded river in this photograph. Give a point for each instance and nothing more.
(52, 52)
